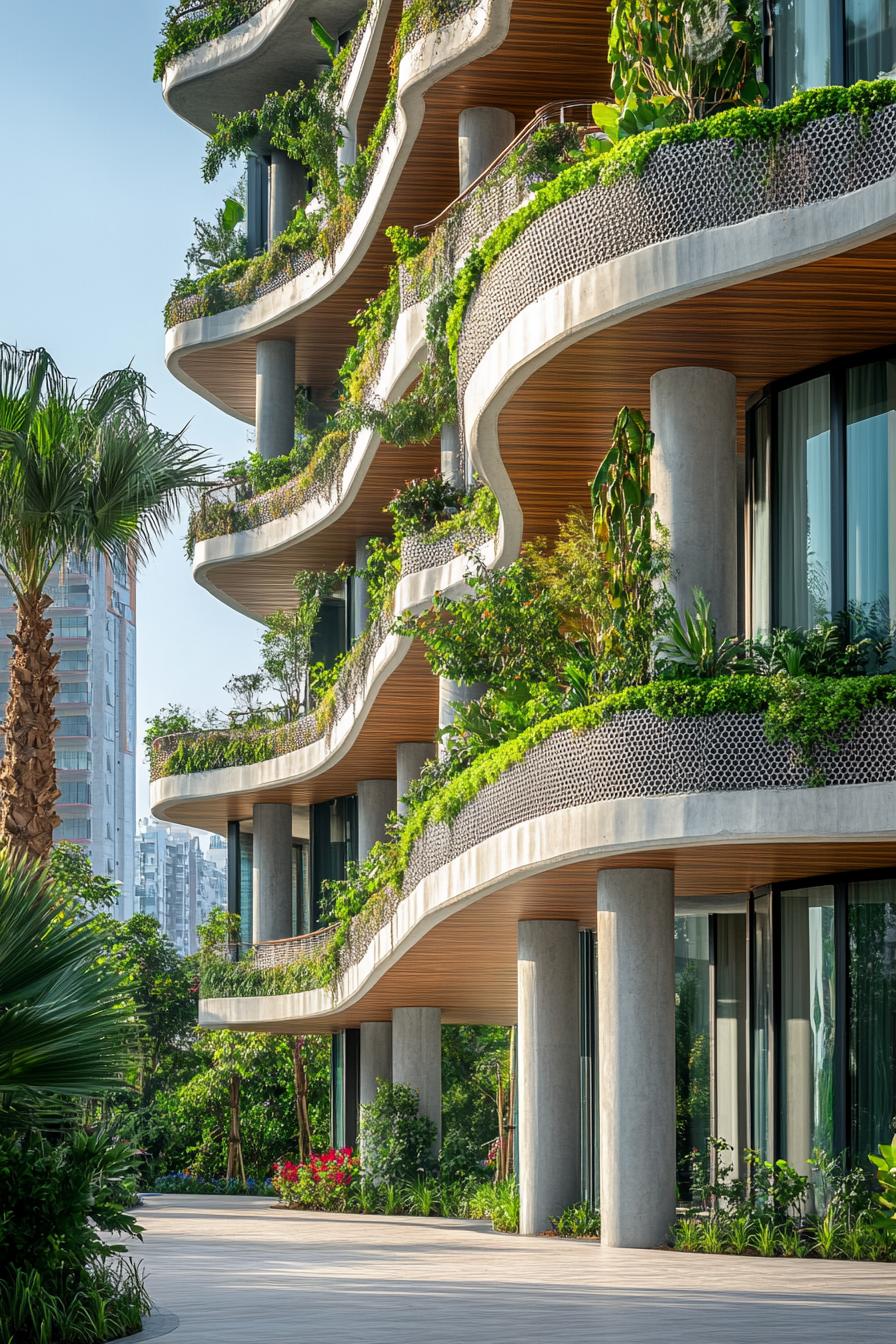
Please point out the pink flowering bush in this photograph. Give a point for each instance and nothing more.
(327, 1181)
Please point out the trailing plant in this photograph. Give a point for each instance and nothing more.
(185, 29)
(631, 156)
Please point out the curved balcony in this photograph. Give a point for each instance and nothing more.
(263, 539)
(463, 63)
(760, 259)
(272, 48)
(252, 570)
(708, 796)
(387, 690)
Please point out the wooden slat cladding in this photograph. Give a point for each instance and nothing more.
(406, 710)
(467, 964)
(550, 53)
(557, 427)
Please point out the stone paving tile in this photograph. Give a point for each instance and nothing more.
(237, 1271)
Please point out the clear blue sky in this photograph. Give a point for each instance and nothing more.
(102, 184)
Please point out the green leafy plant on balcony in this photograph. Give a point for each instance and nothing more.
(188, 25)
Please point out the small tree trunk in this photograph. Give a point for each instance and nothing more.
(28, 789)
(234, 1139)
(300, 1079)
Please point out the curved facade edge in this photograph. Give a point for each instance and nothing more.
(401, 367)
(414, 593)
(639, 282)
(432, 59)
(605, 829)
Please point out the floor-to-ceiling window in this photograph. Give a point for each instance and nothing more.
(872, 1025)
(823, 978)
(822, 485)
(692, 1049)
(808, 1013)
(816, 42)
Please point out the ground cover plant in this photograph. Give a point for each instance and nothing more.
(772, 1210)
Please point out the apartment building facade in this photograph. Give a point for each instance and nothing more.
(736, 284)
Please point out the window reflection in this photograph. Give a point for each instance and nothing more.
(807, 1024)
(803, 488)
(872, 1046)
(870, 38)
(801, 50)
(871, 491)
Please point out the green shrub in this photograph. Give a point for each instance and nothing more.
(499, 1202)
(59, 1278)
(398, 1140)
(578, 1220)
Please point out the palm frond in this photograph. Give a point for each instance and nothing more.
(65, 1015)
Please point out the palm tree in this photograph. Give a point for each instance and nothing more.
(80, 473)
(66, 1016)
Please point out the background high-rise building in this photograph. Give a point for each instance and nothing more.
(176, 883)
(94, 633)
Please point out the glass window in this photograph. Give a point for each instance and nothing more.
(870, 38)
(801, 46)
(74, 828)
(807, 1024)
(72, 760)
(73, 660)
(692, 1099)
(74, 725)
(74, 693)
(71, 627)
(74, 791)
(872, 1045)
(760, 522)
(803, 491)
(762, 1023)
(871, 490)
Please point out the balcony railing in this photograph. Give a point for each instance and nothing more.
(282, 951)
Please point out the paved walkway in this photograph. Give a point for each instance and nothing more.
(237, 1271)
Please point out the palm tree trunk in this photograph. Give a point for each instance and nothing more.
(28, 789)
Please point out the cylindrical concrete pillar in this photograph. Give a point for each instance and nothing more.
(452, 458)
(287, 186)
(376, 1058)
(271, 871)
(275, 398)
(636, 1047)
(548, 1045)
(360, 596)
(348, 150)
(453, 693)
(482, 133)
(693, 414)
(417, 1059)
(410, 758)
(376, 799)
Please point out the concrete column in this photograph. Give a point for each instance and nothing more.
(348, 150)
(482, 133)
(410, 758)
(360, 599)
(636, 1048)
(376, 1058)
(287, 187)
(376, 799)
(548, 1045)
(275, 398)
(271, 871)
(693, 414)
(417, 1059)
(452, 458)
(730, 1119)
(453, 693)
